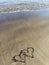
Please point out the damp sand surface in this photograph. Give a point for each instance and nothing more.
(20, 30)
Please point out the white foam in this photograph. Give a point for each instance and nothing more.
(26, 10)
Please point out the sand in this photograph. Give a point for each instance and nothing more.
(22, 33)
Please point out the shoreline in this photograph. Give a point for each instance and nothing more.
(25, 11)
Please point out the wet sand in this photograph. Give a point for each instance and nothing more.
(20, 30)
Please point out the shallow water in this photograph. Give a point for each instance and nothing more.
(22, 15)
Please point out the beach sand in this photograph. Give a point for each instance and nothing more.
(19, 34)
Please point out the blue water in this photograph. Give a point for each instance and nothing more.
(16, 1)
